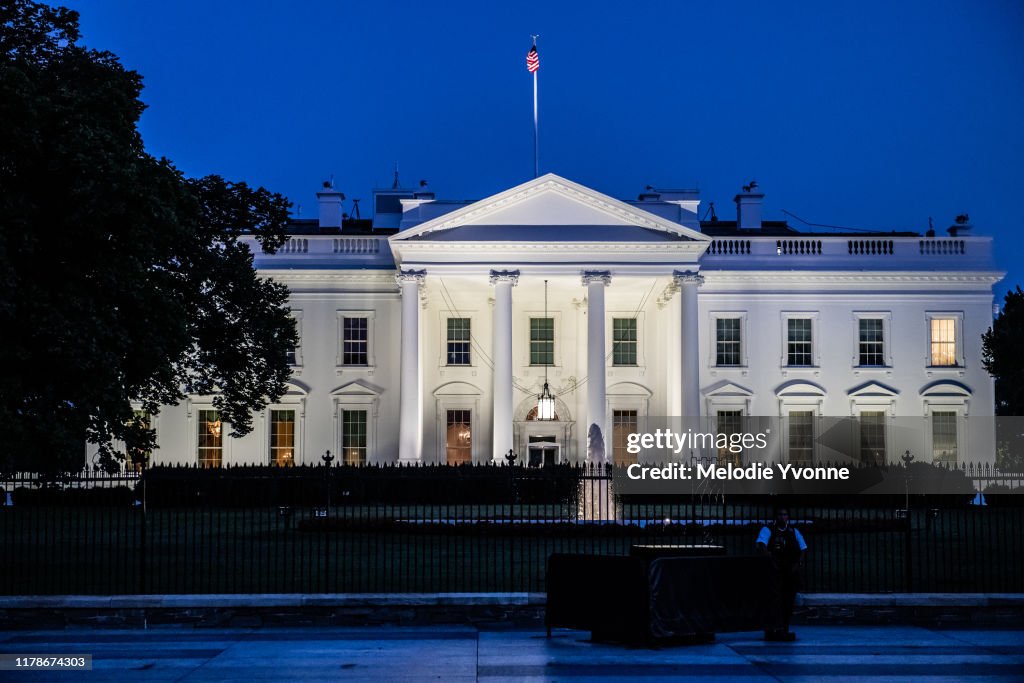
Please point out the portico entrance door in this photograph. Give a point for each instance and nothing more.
(543, 451)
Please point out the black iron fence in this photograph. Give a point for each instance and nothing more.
(459, 529)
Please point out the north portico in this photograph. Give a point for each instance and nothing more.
(613, 272)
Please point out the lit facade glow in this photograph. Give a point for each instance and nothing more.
(425, 338)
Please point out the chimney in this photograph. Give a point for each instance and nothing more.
(330, 205)
(748, 207)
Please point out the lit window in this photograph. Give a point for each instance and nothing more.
(871, 342)
(354, 341)
(137, 458)
(943, 342)
(282, 438)
(353, 437)
(798, 342)
(624, 423)
(872, 437)
(727, 341)
(624, 341)
(542, 341)
(944, 437)
(729, 422)
(458, 341)
(210, 438)
(459, 437)
(801, 436)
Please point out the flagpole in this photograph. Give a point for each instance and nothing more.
(536, 162)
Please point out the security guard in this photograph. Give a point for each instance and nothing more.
(786, 547)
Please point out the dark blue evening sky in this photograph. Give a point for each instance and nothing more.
(863, 114)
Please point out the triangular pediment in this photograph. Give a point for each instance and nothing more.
(726, 388)
(873, 390)
(549, 209)
(357, 387)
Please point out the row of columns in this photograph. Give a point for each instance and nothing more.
(410, 438)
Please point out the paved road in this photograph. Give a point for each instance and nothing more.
(846, 653)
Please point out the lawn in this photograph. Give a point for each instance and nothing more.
(368, 548)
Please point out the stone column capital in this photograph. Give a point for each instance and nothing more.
(405, 277)
(511, 276)
(594, 276)
(687, 277)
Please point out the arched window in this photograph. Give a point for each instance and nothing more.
(532, 415)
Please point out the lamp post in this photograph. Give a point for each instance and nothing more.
(328, 459)
(907, 458)
(908, 537)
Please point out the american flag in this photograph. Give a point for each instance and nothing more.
(532, 60)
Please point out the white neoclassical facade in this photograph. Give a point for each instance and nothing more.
(425, 337)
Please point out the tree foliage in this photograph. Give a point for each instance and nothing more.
(1002, 357)
(123, 284)
(1003, 360)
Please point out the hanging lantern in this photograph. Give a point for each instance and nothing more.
(546, 402)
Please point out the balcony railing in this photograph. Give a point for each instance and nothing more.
(324, 251)
(890, 253)
(818, 251)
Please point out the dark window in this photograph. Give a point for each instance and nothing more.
(872, 437)
(624, 341)
(727, 341)
(798, 342)
(944, 437)
(354, 338)
(458, 341)
(872, 342)
(542, 341)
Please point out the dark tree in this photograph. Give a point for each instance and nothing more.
(121, 281)
(1002, 357)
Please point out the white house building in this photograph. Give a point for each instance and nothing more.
(426, 338)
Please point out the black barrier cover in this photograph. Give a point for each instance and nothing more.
(633, 599)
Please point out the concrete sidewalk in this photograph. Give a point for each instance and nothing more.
(847, 653)
(418, 609)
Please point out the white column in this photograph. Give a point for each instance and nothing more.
(596, 436)
(410, 427)
(503, 281)
(688, 281)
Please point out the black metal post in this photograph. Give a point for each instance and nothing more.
(908, 535)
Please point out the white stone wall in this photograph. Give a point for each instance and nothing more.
(320, 386)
